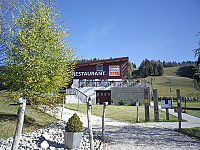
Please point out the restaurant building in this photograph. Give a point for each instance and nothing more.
(96, 79)
(100, 71)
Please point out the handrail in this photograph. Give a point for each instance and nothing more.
(78, 93)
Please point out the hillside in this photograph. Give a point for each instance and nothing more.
(181, 78)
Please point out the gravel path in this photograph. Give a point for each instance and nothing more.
(150, 136)
(119, 135)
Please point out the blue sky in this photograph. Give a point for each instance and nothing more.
(154, 29)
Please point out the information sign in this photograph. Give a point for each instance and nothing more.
(146, 101)
(166, 103)
(137, 104)
(177, 110)
(114, 70)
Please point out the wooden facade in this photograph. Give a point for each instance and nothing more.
(102, 69)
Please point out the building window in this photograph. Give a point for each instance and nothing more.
(100, 67)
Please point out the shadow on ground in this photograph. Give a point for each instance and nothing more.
(140, 137)
(187, 71)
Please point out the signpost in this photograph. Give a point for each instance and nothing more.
(137, 105)
(179, 106)
(155, 99)
(167, 104)
(146, 101)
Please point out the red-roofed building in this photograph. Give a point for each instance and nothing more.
(102, 81)
(100, 71)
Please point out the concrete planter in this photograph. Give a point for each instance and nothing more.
(72, 139)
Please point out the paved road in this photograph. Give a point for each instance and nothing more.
(150, 136)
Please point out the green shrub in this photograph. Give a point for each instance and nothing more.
(74, 124)
(112, 101)
(122, 102)
(89, 99)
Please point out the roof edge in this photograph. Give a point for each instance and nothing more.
(103, 61)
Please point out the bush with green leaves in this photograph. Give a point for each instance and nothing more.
(122, 102)
(74, 124)
(89, 99)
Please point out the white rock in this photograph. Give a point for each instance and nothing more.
(44, 144)
(46, 136)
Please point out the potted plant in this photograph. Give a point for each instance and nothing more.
(73, 132)
(112, 102)
(98, 101)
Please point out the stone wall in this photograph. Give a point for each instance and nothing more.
(128, 94)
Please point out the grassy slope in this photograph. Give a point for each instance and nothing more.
(178, 81)
(8, 117)
(185, 84)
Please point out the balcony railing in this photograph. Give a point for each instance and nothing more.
(124, 83)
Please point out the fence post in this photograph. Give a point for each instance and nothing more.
(137, 105)
(179, 106)
(155, 99)
(167, 114)
(89, 105)
(146, 101)
(185, 104)
(20, 121)
(105, 104)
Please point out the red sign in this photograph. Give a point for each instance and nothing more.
(156, 109)
(177, 110)
(146, 96)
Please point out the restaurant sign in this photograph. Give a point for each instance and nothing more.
(91, 73)
(114, 70)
